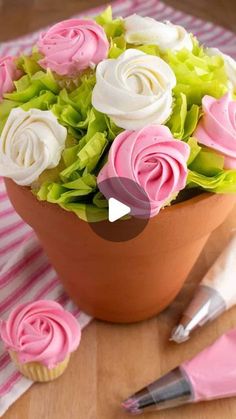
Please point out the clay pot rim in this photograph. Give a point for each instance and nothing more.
(204, 196)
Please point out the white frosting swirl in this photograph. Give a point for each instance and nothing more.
(134, 90)
(30, 142)
(145, 30)
(230, 66)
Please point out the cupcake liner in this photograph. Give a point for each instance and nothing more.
(36, 371)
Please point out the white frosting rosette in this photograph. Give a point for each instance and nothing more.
(30, 142)
(145, 30)
(230, 66)
(135, 89)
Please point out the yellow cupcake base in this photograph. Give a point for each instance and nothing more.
(36, 371)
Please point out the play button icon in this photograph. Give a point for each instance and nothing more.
(128, 210)
(117, 210)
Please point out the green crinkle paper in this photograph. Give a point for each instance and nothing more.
(206, 171)
(183, 122)
(222, 182)
(73, 183)
(112, 27)
(65, 193)
(197, 74)
(35, 89)
(194, 150)
(87, 212)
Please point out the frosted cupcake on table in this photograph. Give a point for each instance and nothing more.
(40, 337)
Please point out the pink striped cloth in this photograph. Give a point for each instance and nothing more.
(25, 272)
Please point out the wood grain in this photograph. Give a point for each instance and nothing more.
(114, 361)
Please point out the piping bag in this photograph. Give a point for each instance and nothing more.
(215, 294)
(209, 375)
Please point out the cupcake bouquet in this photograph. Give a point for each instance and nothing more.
(132, 98)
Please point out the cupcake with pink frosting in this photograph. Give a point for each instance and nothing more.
(8, 74)
(40, 337)
(153, 161)
(217, 127)
(72, 46)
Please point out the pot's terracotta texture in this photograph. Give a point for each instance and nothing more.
(123, 281)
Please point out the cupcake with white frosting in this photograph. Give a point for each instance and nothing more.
(146, 30)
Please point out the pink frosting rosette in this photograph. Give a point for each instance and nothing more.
(41, 331)
(217, 127)
(72, 46)
(151, 158)
(8, 73)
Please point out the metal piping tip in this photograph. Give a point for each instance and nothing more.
(179, 334)
(131, 406)
(171, 390)
(205, 306)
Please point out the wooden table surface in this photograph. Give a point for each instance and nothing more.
(113, 361)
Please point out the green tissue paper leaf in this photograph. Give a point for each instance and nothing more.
(5, 108)
(28, 88)
(183, 122)
(222, 182)
(191, 120)
(207, 162)
(84, 183)
(117, 47)
(96, 123)
(42, 192)
(73, 109)
(68, 192)
(149, 49)
(24, 95)
(82, 95)
(112, 27)
(100, 201)
(86, 158)
(29, 64)
(197, 74)
(47, 79)
(23, 83)
(206, 170)
(70, 154)
(43, 102)
(194, 149)
(87, 212)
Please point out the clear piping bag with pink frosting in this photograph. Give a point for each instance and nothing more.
(211, 374)
(215, 294)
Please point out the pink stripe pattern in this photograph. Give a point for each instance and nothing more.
(25, 273)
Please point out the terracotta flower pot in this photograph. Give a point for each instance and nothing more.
(123, 281)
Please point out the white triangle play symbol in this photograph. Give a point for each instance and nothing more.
(116, 209)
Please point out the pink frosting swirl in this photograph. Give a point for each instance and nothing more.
(153, 159)
(217, 127)
(8, 73)
(41, 331)
(72, 46)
